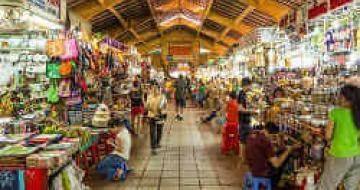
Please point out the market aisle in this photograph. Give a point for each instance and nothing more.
(189, 159)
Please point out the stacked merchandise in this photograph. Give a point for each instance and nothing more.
(40, 139)
(311, 73)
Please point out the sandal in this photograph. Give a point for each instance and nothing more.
(117, 175)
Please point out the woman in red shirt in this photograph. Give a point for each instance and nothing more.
(232, 109)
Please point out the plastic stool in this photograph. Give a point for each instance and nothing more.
(255, 182)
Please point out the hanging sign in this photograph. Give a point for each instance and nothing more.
(318, 10)
(337, 3)
(49, 7)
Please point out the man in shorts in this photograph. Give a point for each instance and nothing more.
(180, 96)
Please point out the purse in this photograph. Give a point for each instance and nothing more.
(53, 94)
(55, 48)
(74, 99)
(65, 69)
(53, 69)
(65, 88)
(71, 50)
(81, 82)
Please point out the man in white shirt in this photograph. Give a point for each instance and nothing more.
(114, 166)
(155, 105)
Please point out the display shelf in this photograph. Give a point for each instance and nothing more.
(20, 49)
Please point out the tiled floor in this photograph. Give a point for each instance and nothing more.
(189, 160)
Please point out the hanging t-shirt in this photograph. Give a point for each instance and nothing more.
(345, 142)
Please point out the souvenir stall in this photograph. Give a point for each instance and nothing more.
(311, 70)
(56, 100)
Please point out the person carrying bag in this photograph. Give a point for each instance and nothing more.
(155, 106)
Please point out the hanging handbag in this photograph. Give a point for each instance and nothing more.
(71, 50)
(53, 69)
(55, 48)
(74, 99)
(81, 82)
(65, 88)
(65, 69)
(53, 93)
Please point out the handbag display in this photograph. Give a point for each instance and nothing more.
(71, 50)
(53, 69)
(65, 69)
(53, 93)
(65, 88)
(81, 82)
(74, 99)
(55, 48)
(101, 117)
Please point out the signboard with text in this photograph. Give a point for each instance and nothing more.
(49, 7)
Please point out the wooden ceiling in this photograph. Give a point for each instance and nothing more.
(218, 22)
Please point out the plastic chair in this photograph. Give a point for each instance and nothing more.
(255, 182)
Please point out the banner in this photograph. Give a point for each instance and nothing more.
(49, 7)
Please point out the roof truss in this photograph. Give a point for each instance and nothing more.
(221, 21)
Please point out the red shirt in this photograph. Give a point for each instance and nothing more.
(258, 152)
(232, 109)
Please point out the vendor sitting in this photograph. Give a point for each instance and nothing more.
(261, 157)
(114, 166)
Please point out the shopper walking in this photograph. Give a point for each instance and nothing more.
(202, 94)
(137, 107)
(232, 108)
(180, 96)
(342, 132)
(156, 105)
(168, 88)
(244, 114)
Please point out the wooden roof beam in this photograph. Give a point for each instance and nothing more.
(237, 21)
(155, 17)
(176, 36)
(228, 23)
(270, 7)
(125, 24)
(207, 11)
(157, 26)
(89, 10)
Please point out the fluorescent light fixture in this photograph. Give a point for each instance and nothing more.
(180, 16)
(204, 51)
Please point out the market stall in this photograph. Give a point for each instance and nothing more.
(52, 127)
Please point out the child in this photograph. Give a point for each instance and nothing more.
(114, 166)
